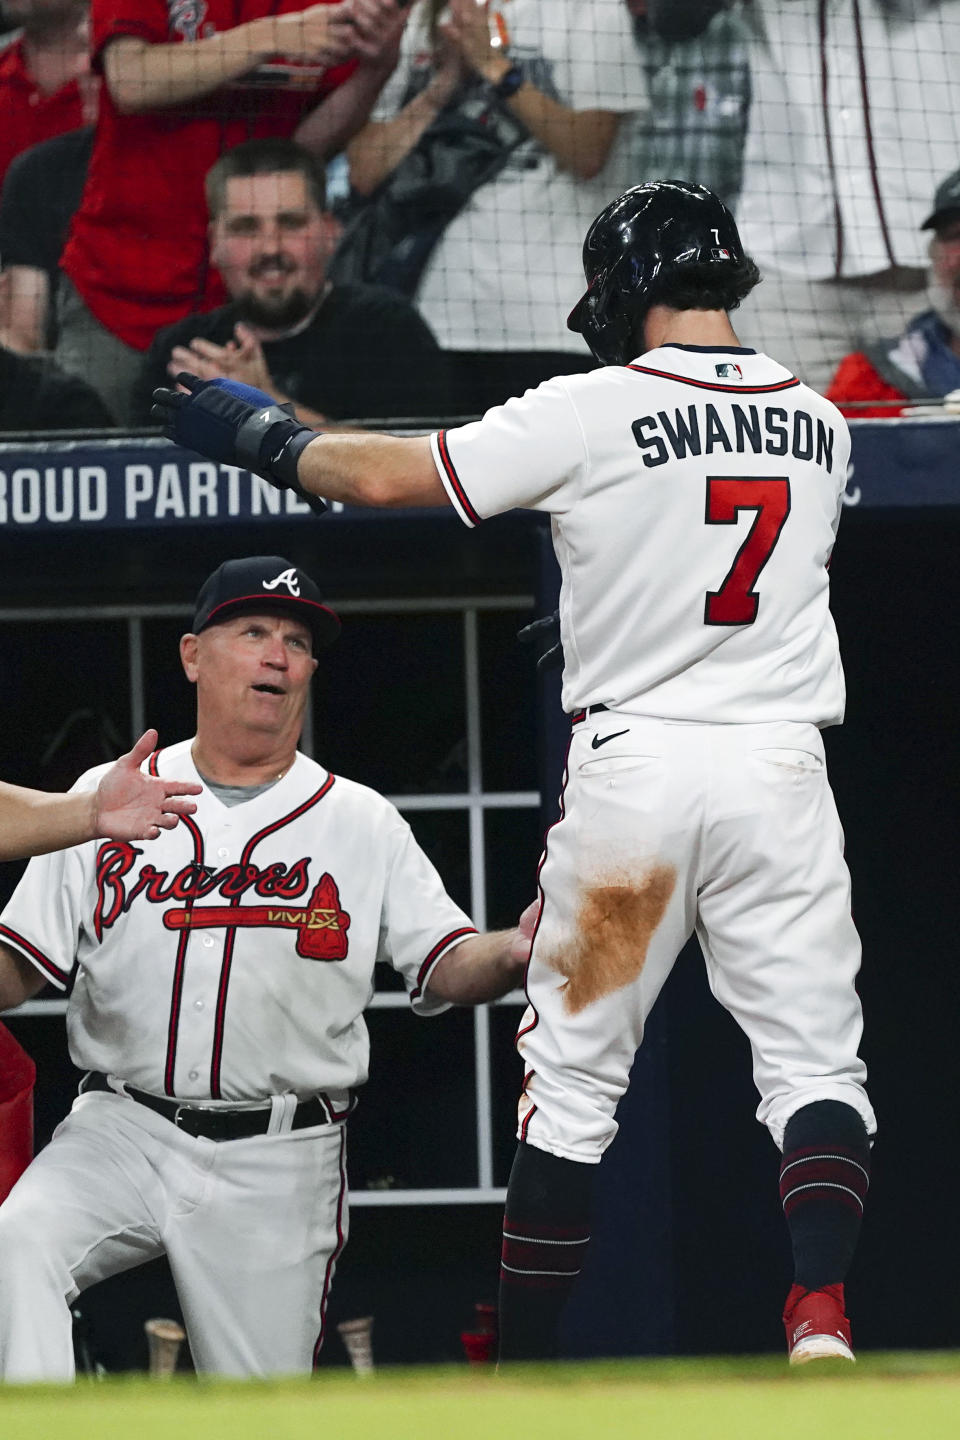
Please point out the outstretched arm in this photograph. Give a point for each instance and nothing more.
(126, 805)
(579, 140)
(142, 76)
(376, 30)
(240, 425)
(484, 967)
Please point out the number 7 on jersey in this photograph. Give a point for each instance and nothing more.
(736, 602)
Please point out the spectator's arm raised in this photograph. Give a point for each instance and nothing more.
(141, 76)
(380, 146)
(376, 30)
(579, 140)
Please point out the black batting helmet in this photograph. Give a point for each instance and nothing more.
(646, 235)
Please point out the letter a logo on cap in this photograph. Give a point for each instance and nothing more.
(286, 577)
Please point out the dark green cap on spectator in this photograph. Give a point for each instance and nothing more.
(946, 202)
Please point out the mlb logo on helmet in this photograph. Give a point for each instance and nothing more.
(728, 371)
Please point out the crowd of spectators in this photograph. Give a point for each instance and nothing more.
(163, 203)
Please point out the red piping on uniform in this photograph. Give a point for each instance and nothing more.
(62, 977)
(435, 954)
(543, 859)
(337, 1249)
(231, 935)
(454, 478)
(709, 384)
(176, 994)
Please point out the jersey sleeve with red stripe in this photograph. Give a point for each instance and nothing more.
(44, 915)
(529, 453)
(857, 379)
(419, 922)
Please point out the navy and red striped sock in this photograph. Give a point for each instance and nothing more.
(824, 1178)
(546, 1230)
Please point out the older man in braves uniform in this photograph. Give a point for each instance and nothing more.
(694, 493)
(219, 982)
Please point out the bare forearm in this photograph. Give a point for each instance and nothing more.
(379, 148)
(478, 970)
(378, 470)
(23, 315)
(336, 120)
(33, 822)
(142, 77)
(579, 140)
(19, 980)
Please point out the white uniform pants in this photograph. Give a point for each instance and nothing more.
(252, 1229)
(727, 830)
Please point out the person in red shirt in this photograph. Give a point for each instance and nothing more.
(45, 83)
(923, 362)
(186, 80)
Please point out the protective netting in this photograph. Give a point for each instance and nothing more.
(419, 254)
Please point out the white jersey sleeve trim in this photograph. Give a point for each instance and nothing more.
(420, 998)
(451, 480)
(41, 962)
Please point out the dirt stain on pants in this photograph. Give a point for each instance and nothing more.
(614, 924)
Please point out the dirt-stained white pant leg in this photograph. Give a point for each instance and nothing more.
(619, 901)
(253, 1262)
(89, 1206)
(667, 826)
(775, 923)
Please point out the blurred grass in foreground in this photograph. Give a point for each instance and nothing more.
(885, 1397)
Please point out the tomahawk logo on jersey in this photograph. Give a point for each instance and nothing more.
(301, 889)
(737, 478)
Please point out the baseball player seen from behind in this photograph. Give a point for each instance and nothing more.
(694, 489)
(219, 982)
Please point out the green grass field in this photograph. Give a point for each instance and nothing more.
(886, 1397)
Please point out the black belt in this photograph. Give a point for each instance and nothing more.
(213, 1124)
(578, 717)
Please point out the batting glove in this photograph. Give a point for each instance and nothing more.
(237, 425)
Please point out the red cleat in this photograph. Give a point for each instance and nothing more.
(817, 1328)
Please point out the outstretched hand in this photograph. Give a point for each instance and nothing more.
(132, 806)
(238, 425)
(523, 939)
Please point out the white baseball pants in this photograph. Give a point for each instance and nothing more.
(669, 828)
(252, 1229)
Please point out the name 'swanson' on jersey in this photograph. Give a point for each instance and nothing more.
(774, 432)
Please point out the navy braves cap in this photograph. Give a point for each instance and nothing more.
(264, 584)
(946, 202)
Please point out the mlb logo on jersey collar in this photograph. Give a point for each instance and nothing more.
(728, 371)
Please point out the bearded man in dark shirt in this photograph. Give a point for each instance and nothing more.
(338, 352)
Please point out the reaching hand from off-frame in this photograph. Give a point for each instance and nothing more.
(133, 806)
(522, 942)
(238, 425)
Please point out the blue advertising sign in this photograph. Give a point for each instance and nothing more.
(150, 483)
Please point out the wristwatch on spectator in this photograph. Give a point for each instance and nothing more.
(510, 81)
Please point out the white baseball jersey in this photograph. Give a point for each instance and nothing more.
(232, 958)
(694, 497)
